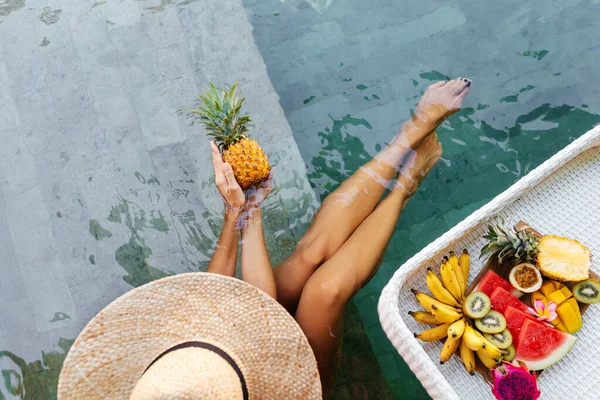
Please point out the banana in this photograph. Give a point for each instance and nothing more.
(491, 351)
(450, 346)
(467, 357)
(437, 289)
(425, 317)
(465, 264)
(449, 280)
(473, 339)
(455, 267)
(445, 315)
(426, 301)
(486, 360)
(437, 333)
(457, 328)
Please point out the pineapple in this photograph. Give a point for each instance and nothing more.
(557, 257)
(227, 126)
(564, 259)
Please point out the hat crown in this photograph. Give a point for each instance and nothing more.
(192, 370)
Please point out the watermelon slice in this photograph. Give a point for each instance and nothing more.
(501, 299)
(540, 346)
(491, 281)
(514, 321)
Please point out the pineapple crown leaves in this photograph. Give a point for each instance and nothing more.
(506, 244)
(221, 116)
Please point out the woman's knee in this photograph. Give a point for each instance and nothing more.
(325, 293)
(312, 252)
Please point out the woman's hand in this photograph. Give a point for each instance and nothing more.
(230, 190)
(257, 194)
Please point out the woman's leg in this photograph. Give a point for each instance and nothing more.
(346, 208)
(326, 293)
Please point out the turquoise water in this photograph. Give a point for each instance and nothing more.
(350, 72)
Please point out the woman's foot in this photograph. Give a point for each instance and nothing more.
(440, 100)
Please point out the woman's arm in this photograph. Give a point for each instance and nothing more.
(225, 256)
(256, 266)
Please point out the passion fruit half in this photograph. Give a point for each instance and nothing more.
(525, 278)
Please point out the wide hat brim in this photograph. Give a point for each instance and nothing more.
(117, 345)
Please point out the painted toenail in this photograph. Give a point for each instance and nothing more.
(469, 84)
(465, 79)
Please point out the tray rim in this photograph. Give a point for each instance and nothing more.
(392, 322)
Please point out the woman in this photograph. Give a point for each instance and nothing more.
(344, 246)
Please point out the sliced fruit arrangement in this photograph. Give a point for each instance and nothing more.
(450, 312)
(494, 322)
(553, 272)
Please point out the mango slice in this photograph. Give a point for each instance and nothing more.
(560, 326)
(575, 305)
(547, 288)
(557, 285)
(559, 296)
(570, 316)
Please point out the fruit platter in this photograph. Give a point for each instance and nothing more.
(550, 316)
(520, 313)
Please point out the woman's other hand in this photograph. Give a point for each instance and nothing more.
(257, 194)
(230, 190)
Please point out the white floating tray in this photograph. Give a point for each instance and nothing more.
(560, 197)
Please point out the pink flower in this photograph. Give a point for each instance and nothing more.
(543, 312)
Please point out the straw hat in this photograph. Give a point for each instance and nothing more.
(191, 336)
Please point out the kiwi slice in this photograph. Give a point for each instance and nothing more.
(587, 292)
(493, 322)
(509, 353)
(477, 305)
(501, 340)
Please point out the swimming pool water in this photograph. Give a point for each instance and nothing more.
(105, 184)
(350, 72)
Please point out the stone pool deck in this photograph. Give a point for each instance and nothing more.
(105, 180)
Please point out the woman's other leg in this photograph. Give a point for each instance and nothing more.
(346, 208)
(325, 295)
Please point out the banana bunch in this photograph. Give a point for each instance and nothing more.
(444, 309)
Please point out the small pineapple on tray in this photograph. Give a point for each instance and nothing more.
(522, 308)
(222, 116)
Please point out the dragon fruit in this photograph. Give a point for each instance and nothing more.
(514, 383)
